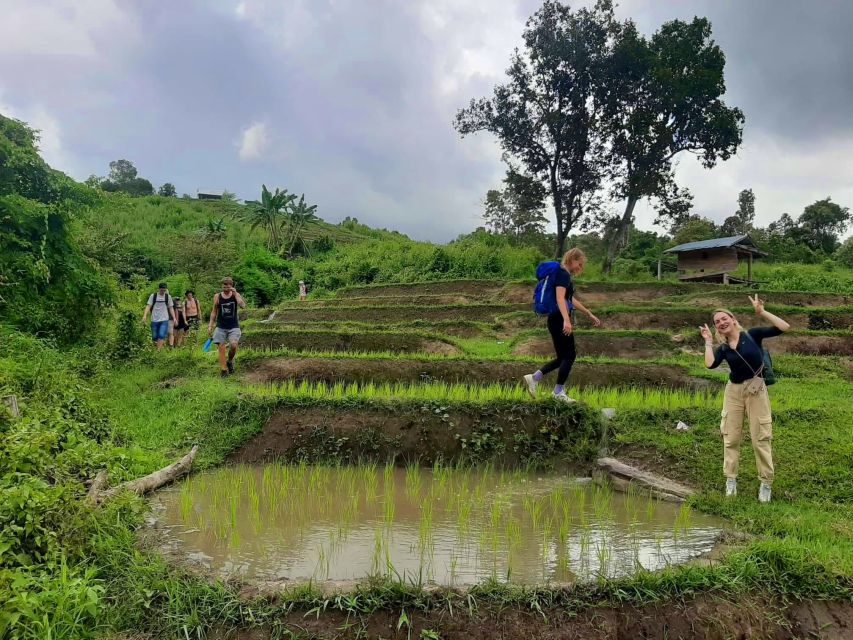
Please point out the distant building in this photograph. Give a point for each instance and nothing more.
(715, 260)
(210, 194)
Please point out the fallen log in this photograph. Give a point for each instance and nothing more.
(97, 486)
(621, 475)
(146, 484)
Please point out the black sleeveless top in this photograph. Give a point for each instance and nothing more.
(227, 316)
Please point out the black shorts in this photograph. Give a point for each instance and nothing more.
(193, 322)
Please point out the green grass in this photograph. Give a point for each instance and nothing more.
(161, 404)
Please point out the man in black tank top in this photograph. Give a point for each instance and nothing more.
(223, 316)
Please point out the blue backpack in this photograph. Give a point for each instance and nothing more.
(545, 294)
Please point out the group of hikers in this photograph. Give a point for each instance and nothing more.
(172, 319)
(749, 364)
(745, 394)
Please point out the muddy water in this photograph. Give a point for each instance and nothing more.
(442, 525)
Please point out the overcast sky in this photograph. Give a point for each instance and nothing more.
(352, 101)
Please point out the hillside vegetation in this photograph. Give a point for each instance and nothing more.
(396, 334)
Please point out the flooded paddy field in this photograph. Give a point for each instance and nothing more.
(440, 525)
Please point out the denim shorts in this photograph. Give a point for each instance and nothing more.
(159, 330)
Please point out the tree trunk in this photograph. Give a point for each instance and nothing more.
(147, 483)
(620, 237)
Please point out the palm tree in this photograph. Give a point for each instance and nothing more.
(271, 214)
(301, 214)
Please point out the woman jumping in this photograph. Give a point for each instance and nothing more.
(561, 328)
(746, 391)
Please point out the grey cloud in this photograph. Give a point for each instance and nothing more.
(358, 99)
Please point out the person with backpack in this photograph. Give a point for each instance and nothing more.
(555, 297)
(224, 317)
(750, 371)
(161, 307)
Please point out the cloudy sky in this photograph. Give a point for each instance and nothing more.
(352, 101)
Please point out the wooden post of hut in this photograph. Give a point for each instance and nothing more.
(715, 260)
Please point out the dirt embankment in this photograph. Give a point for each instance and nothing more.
(705, 617)
(603, 344)
(360, 370)
(661, 346)
(684, 320)
(441, 287)
(429, 300)
(506, 432)
(348, 342)
(389, 315)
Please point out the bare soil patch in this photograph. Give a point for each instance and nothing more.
(332, 370)
(650, 347)
(346, 341)
(384, 316)
(415, 432)
(705, 617)
(389, 301)
(666, 319)
(466, 287)
(603, 344)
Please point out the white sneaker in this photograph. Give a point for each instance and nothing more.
(764, 492)
(562, 397)
(731, 487)
(531, 383)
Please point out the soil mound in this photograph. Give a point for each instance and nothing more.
(361, 370)
(349, 342)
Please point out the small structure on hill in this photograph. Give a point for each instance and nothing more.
(210, 194)
(715, 260)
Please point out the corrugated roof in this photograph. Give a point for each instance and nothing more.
(715, 243)
(210, 192)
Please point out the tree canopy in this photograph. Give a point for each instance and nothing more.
(546, 116)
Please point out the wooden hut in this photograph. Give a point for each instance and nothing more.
(715, 260)
(209, 194)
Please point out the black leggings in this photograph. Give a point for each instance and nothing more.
(564, 345)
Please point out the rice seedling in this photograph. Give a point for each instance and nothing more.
(621, 398)
(413, 480)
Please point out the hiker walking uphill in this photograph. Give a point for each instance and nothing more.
(161, 307)
(192, 310)
(224, 317)
(555, 296)
(746, 391)
(181, 327)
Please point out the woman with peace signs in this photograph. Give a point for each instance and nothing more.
(746, 391)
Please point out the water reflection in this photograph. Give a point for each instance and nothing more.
(453, 526)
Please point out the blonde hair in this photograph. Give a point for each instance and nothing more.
(717, 336)
(573, 254)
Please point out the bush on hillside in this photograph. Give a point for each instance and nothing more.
(261, 276)
(48, 284)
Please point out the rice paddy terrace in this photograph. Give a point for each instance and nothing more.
(392, 438)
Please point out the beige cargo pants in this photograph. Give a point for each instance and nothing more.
(757, 407)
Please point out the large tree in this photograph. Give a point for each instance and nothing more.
(821, 224)
(546, 116)
(167, 190)
(663, 97)
(518, 209)
(741, 222)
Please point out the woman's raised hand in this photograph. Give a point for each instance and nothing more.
(757, 304)
(706, 333)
